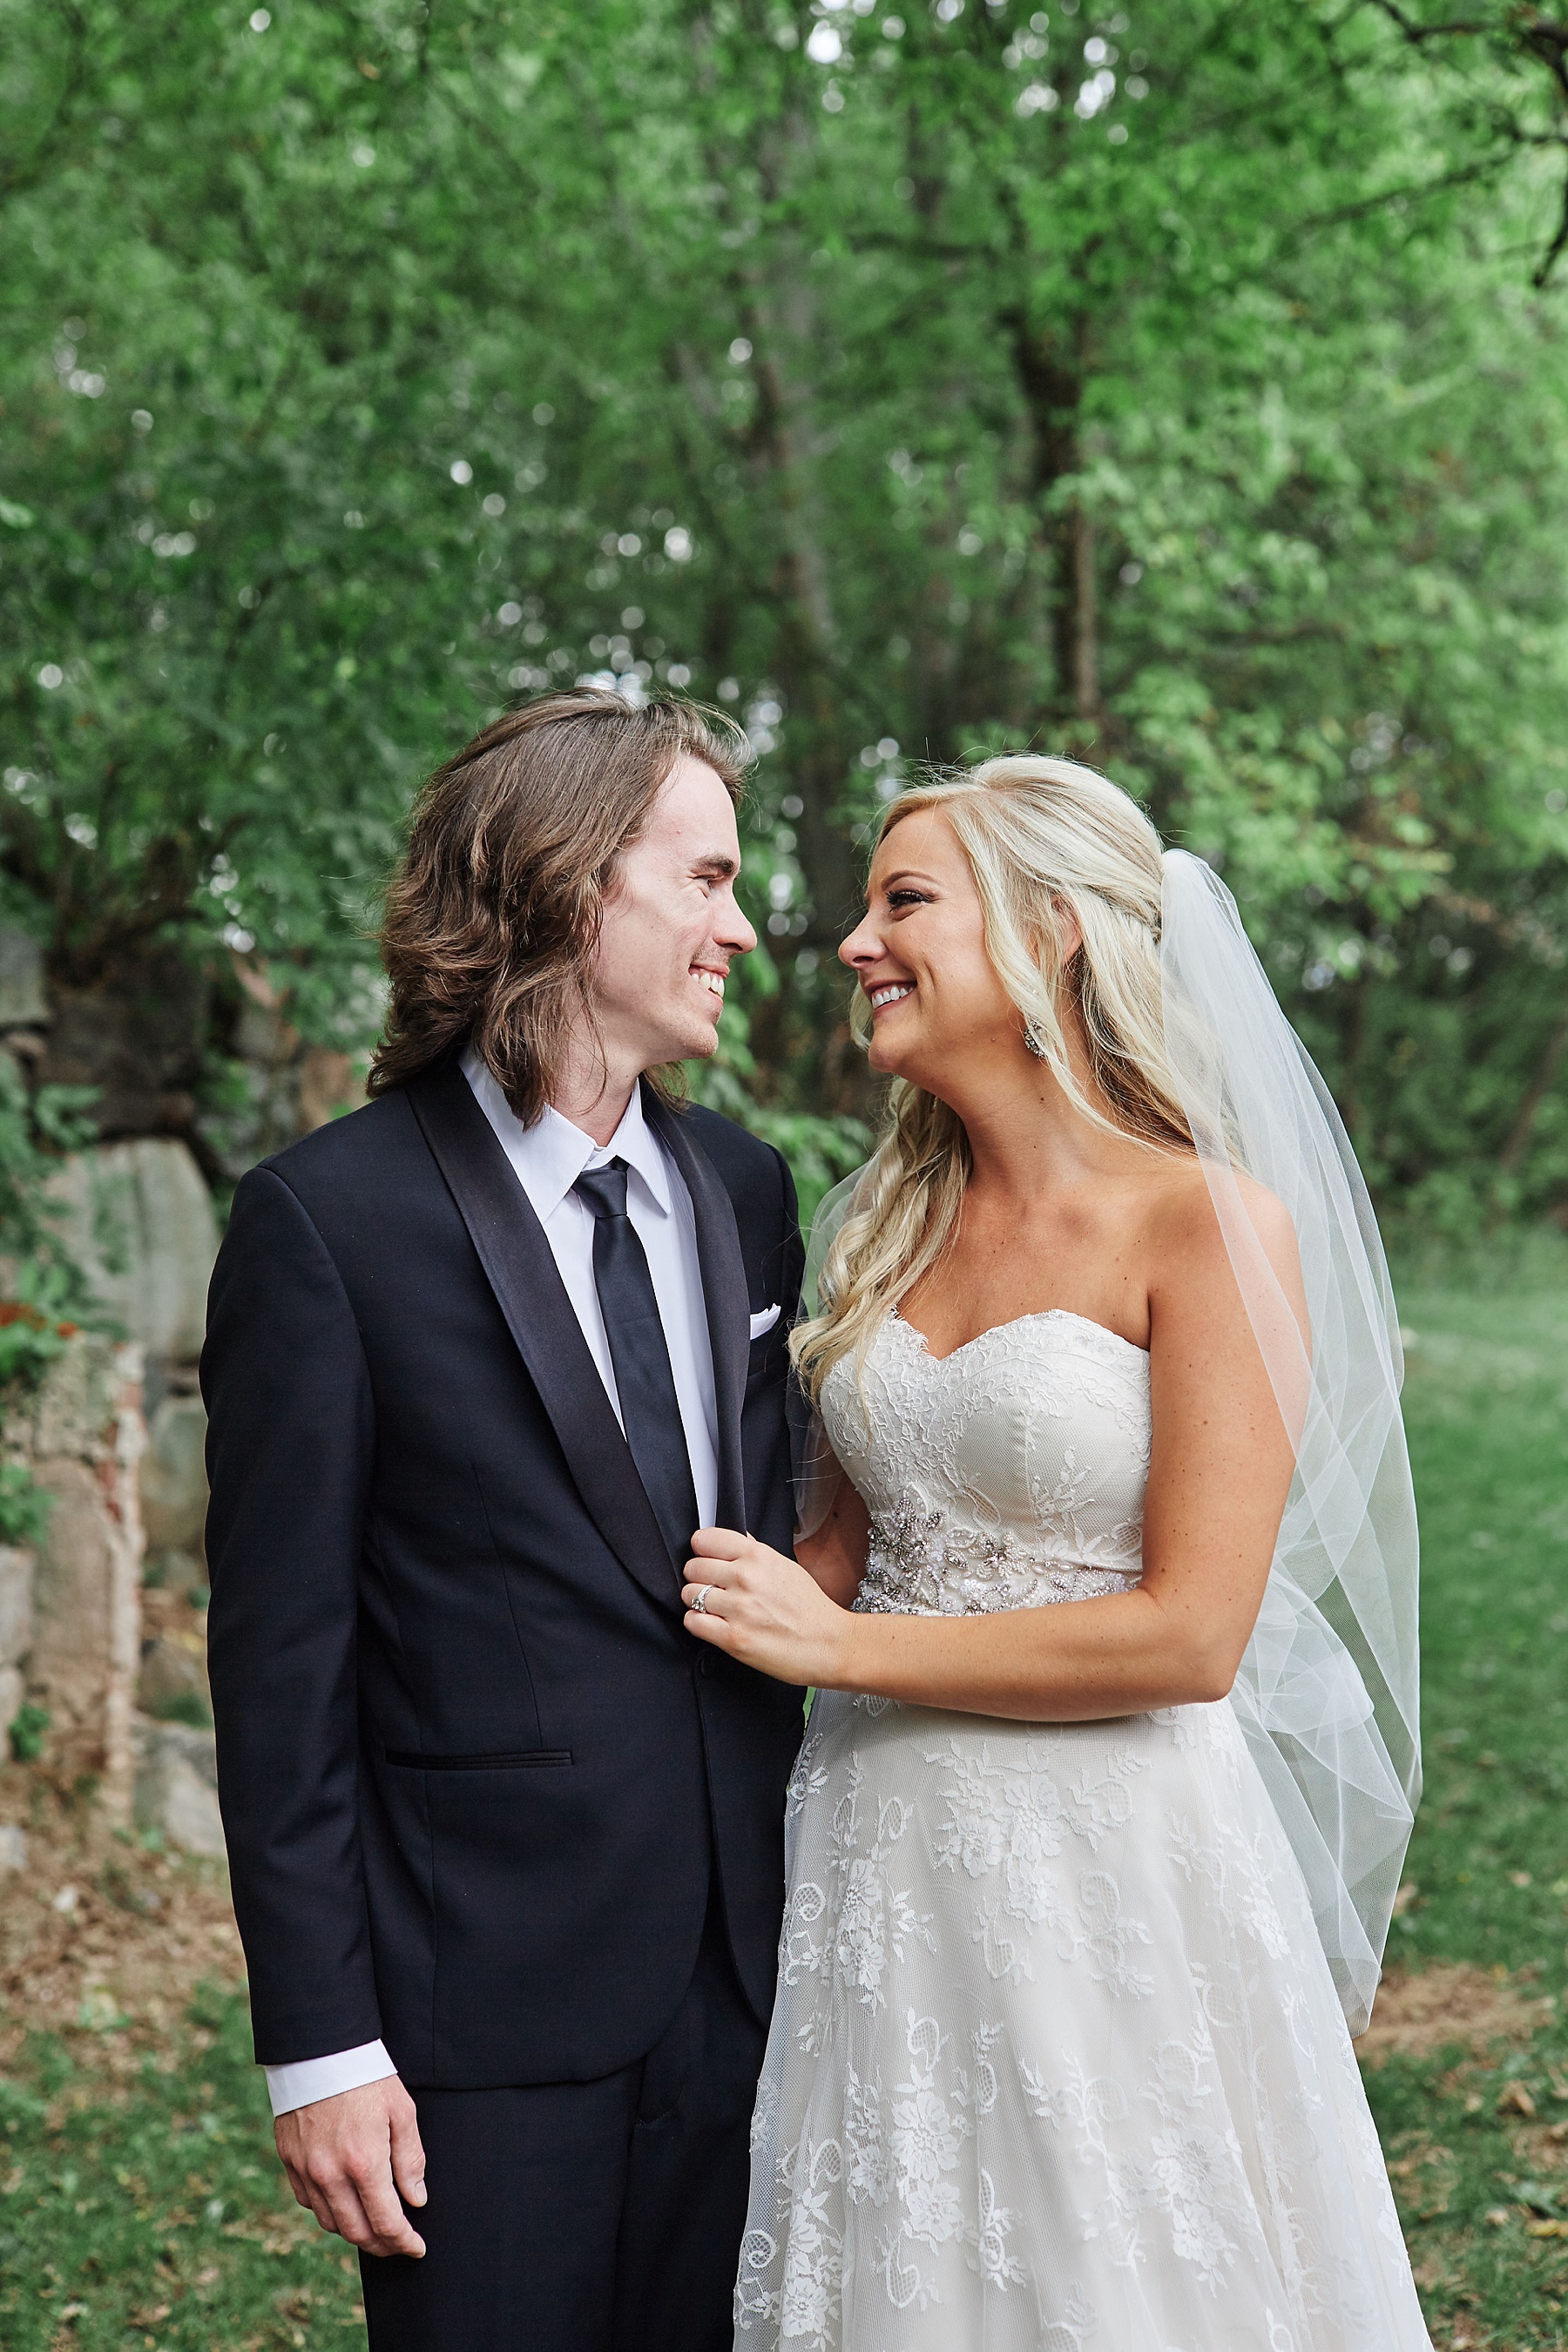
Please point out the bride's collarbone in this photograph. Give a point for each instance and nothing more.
(1094, 1268)
(1095, 1261)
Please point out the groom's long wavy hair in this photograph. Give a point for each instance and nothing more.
(1042, 837)
(492, 918)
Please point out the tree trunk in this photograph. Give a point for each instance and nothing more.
(1086, 618)
(785, 446)
(1052, 367)
(775, 299)
(1511, 1157)
(1349, 1090)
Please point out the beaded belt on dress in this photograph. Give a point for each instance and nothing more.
(917, 1566)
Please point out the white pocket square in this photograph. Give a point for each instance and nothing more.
(765, 1319)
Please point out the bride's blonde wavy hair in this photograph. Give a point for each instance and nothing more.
(1044, 838)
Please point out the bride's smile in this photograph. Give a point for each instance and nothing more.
(934, 996)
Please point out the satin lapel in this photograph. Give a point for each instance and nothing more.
(725, 1294)
(517, 1260)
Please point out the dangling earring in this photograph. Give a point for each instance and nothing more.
(1034, 1041)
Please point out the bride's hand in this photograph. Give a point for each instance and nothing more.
(764, 1609)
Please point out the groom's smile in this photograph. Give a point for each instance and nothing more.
(672, 925)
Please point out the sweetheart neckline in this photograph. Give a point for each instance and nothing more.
(1040, 1315)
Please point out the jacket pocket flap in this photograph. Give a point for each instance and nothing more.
(509, 1762)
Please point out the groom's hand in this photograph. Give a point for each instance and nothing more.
(348, 2157)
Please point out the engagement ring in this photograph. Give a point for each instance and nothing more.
(701, 1603)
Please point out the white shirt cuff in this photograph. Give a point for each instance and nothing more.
(309, 2079)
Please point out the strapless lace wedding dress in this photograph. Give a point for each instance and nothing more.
(1057, 2064)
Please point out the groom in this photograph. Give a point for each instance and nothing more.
(506, 1841)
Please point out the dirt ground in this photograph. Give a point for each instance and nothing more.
(1415, 2015)
(95, 1930)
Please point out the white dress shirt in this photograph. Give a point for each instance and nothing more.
(548, 1158)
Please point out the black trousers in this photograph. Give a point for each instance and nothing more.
(587, 2217)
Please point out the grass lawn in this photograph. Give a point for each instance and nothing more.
(1476, 2123)
(156, 2215)
(140, 2206)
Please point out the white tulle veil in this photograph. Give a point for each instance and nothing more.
(1327, 1692)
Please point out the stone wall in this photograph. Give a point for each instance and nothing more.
(120, 1670)
(103, 1626)
(138, 1219)
(16, 1630)
(288, 1086)
(70, 1610)
(120, 1667)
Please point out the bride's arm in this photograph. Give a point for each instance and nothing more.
(1218, 1474)
(833, 1554)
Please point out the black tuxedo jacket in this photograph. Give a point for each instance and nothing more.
(474, 1771)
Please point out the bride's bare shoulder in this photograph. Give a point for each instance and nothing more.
(1189, 1236)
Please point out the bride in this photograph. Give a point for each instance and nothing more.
(1107, 1595)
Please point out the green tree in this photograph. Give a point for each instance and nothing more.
(1166, 386)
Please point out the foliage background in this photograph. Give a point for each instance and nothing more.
(1174, 382)
(1177, 384)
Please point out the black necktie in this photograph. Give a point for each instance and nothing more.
(640, 1356)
